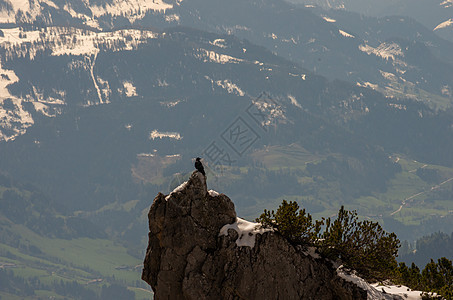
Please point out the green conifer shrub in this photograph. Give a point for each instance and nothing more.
(293, 223)
(361, 245)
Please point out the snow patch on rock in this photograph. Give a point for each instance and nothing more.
(213, 193)
(177, 189)
(246, 232)
(377, 291)
(399, 290)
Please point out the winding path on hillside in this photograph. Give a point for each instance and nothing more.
(411, 198)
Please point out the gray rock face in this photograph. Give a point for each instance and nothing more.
(186, 257)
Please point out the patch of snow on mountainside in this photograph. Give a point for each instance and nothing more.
(70, 41)
(384, 50)
(368, 85)
(219, 43)
(330, 20)
(129, 89)
(87, 20)
(230, 87)
(14, 120)
(445, 24)
(171, 103)
(294, 101)
(303, 76)
(160, 135)
(398, 106)
(211, 56)
(50, 3)
(172, 18)
(44, 109)
(104, 89)
(55, 97)
(273, 111)
(389, 76)
(131, 9)
(345, 34)
(49, 105)
(30, 10)
(447, 3)
(17, 42)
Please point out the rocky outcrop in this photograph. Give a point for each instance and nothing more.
(194, 254)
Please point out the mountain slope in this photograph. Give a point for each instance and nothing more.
(202, 82)
(435, 15)
(102, 120)
(353, 48)
(349, 48)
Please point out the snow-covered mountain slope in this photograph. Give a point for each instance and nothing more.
(338, 44)
(69, 41)
(96, 14)
(17, 110)
(331, 43)
(45, 72)
(179, 90)
(399, 44)
(381, 54)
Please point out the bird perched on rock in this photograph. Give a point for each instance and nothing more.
(199, 166)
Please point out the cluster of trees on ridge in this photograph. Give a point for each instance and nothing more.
(438, 244)
(360, 245)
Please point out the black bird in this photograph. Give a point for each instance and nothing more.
(199, 166)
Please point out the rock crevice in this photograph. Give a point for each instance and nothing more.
(188, 258)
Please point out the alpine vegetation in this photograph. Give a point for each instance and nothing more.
(363, 247)
(360, 245)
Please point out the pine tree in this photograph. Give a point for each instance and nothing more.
(360, 245)
(293, 223)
